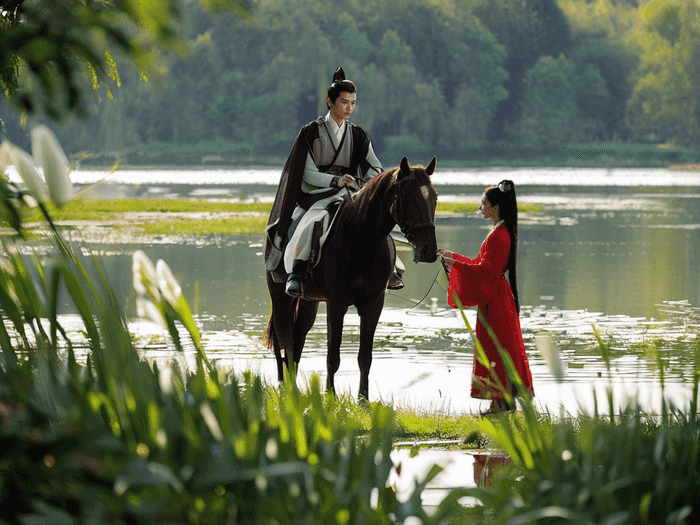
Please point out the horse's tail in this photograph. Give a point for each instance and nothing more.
(270, 333)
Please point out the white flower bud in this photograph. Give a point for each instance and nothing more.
(550, 353)
(144, 275)
(145, 309)
(5, 157)
(49, 154)
(167, 284)
(24, 163)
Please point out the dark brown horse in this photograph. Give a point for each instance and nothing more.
(356, 262)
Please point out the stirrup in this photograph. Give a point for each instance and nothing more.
(395, 282)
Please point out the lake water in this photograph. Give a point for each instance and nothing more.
(617, 249)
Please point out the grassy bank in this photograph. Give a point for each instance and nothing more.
(183, 216)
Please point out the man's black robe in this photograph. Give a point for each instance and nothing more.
(289, 189)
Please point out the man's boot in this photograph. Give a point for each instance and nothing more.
(293, 287)
(395, 282)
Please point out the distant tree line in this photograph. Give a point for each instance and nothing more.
(438, 74)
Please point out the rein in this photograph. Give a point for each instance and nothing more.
(426, 293)
(397, 212)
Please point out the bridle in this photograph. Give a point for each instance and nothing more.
(399, 213)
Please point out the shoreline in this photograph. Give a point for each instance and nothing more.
(472, 155)
(391, 161)
(249, 177)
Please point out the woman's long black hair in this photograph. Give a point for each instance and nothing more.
(503, 196)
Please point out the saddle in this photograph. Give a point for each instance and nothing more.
(319, 234)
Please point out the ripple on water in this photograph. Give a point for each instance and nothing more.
(425, 359)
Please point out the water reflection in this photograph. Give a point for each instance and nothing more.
(620, 263)
(614, 249)
(460, 469)
(486, 465)
(424, 361)
(617, 255)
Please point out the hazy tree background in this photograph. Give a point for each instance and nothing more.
(443, 75)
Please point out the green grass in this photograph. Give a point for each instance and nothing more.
(409, 425)
(101, 209)
(213, 218)
(96, 209)
(434, 426)
(472, 207)
(243, 225)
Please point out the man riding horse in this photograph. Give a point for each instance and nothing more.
(331, 158)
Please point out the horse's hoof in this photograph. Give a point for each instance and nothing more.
(293, 288)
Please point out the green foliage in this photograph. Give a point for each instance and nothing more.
(664, 104)
(590, 473)
(257, 82)
(529, 30)
(664, 18)
(63, 59)
(550, 109)
(440, 75)
(164, 446)
(603, 98)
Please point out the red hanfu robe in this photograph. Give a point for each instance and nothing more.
(481, 282)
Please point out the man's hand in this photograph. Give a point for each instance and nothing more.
(345, 180)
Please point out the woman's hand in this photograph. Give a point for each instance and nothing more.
(447, 258)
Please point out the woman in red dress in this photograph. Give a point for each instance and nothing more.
(481, 282)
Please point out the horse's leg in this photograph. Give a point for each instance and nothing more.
(369, 317)
(283, 320)
(275, 341)
(282, 329)
(305, 318)
(335, 316)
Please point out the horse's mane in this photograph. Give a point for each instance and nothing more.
(357, 207)
(377, 185)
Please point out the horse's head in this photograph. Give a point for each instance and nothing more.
(413, 208)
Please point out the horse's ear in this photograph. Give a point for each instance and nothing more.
(405, 168)
(431, 167)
